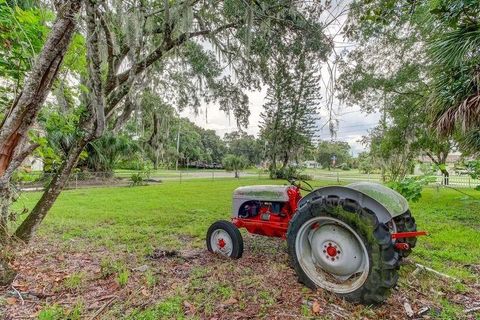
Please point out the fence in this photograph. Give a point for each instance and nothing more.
(458, 181)
(37, 181)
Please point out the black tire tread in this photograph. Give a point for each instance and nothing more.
(234, 233)
(406, 223)
(383, 274)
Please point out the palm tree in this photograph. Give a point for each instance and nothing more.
(455, 99)
(105, 153)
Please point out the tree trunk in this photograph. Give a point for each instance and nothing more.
(23, 113)
(7, 274)
(28, 227)
(91, 127)
(5, 201)
(237, 176)
(446, 176)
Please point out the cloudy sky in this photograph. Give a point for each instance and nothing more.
(352, 123)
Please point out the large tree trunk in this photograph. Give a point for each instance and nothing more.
(91, 128)
(7, 274)
(14, 144)
(28, 227)
(24, 111)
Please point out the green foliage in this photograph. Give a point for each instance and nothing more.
(366, 163)
(56, 312)
(23, 31)
(74, 281)
(411, 188)
(234, 163)
(170, 308)
(326, 150)
(288, 173)
(122, 277)
(105, 153)
(473, 168)
(61, 132)
(289, 116)
(244, 145)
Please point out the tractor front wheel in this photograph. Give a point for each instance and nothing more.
(338, 246)
(223, 237)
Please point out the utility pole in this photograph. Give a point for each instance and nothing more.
(178, 145)
(384, 129)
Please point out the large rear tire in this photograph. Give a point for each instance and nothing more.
(224, 238)
(336, 245)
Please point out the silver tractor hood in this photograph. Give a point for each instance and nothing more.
(260, 193)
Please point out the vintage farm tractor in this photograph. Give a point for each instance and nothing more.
(345, 239)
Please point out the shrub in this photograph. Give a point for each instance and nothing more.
(344, 166)
(234, 163)
(288, 173)
(411, 188)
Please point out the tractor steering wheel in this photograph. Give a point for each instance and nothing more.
(298, 183)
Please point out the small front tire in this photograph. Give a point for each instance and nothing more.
(224, 238)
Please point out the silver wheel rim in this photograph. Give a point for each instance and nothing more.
(221, 242)
(332, 254)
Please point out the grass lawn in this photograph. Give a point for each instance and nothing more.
(94, 240)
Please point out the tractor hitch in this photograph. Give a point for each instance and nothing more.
(412, 234)
(403, 246)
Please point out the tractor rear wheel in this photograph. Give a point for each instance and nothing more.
(223, 237)
(338, 246)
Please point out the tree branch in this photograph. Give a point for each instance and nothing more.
(110, 50)
(116, 96)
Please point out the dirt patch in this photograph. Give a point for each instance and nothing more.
(96, 282)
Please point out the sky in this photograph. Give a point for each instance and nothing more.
(352, 125)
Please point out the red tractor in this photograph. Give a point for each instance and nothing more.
(345, 239)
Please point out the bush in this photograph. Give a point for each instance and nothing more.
(288, 173)
(411, 188)
(136, 179)
(234, 163)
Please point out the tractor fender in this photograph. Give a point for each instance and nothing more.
(383, 201)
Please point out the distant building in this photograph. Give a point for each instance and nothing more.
(310, 164)
(451, 159)
(32, 163)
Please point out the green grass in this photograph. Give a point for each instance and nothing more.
(117, 228)
(143, 218)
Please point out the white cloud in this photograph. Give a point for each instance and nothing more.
(352, 123)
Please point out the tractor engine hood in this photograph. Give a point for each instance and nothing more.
(258, 193)
(262, 193)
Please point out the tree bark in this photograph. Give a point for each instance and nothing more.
(7, 274)
(23, 113)
(90, 128)
(28, 227)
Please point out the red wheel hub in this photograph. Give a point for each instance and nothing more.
(332, 251)
(221, 243)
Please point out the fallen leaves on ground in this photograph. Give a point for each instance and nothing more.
(261, 284)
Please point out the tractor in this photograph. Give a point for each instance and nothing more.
(348, 240)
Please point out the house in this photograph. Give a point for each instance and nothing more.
(310, 164)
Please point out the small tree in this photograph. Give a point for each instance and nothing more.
(234, 163)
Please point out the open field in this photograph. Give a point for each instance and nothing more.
(139, 253)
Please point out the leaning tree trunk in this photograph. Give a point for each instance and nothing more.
(23, 113)
(14, 144)
(28, 227)
(91, 128)
(446, 176)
